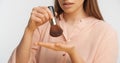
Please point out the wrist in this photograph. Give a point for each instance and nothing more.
(31, 26)
(72, 51)
(75, 56)
(28, 30)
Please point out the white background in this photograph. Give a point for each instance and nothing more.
(14, 15)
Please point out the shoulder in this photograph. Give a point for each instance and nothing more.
(102, 26)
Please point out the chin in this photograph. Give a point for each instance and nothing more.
(68, 11)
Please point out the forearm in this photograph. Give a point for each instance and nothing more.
(75, 58)
(23, 50)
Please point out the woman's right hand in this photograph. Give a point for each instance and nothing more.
(39, 16)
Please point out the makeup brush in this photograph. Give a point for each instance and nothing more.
(55, 29)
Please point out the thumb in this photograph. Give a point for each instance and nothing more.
(56, 14)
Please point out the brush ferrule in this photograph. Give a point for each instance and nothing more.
(53, 21)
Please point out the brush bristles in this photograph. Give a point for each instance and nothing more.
(55, 31)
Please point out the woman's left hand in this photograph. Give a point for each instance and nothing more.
(57, 46)
(69, 48)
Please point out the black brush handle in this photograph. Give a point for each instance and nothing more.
(52, 10)
(55, 30)
(53, 20)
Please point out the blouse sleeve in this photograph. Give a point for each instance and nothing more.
(34, 49)
(107, 51)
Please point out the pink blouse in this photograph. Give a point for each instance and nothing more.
(95, 40)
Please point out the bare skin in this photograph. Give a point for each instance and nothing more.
(71, 14)
(37, 18)
(41, 15)
(69, 48)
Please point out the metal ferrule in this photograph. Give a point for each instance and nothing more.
(53, 21)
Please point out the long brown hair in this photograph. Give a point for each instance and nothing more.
(90, 7)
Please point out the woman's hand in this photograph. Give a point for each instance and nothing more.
(58, 46)
(39, 16)
(69, 48)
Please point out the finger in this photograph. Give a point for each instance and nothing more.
(56, 14)
(47, 45)
(64, 46)
(60, 45)
(43, 10)
(34, 18)
(48, 12)
(39, 10)
(39, 15)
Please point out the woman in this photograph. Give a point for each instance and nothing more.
(86, 37)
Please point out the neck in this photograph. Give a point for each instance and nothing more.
(74, 16)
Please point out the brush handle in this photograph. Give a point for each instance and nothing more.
(52, 10)
(55, 30)
(53, 20)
